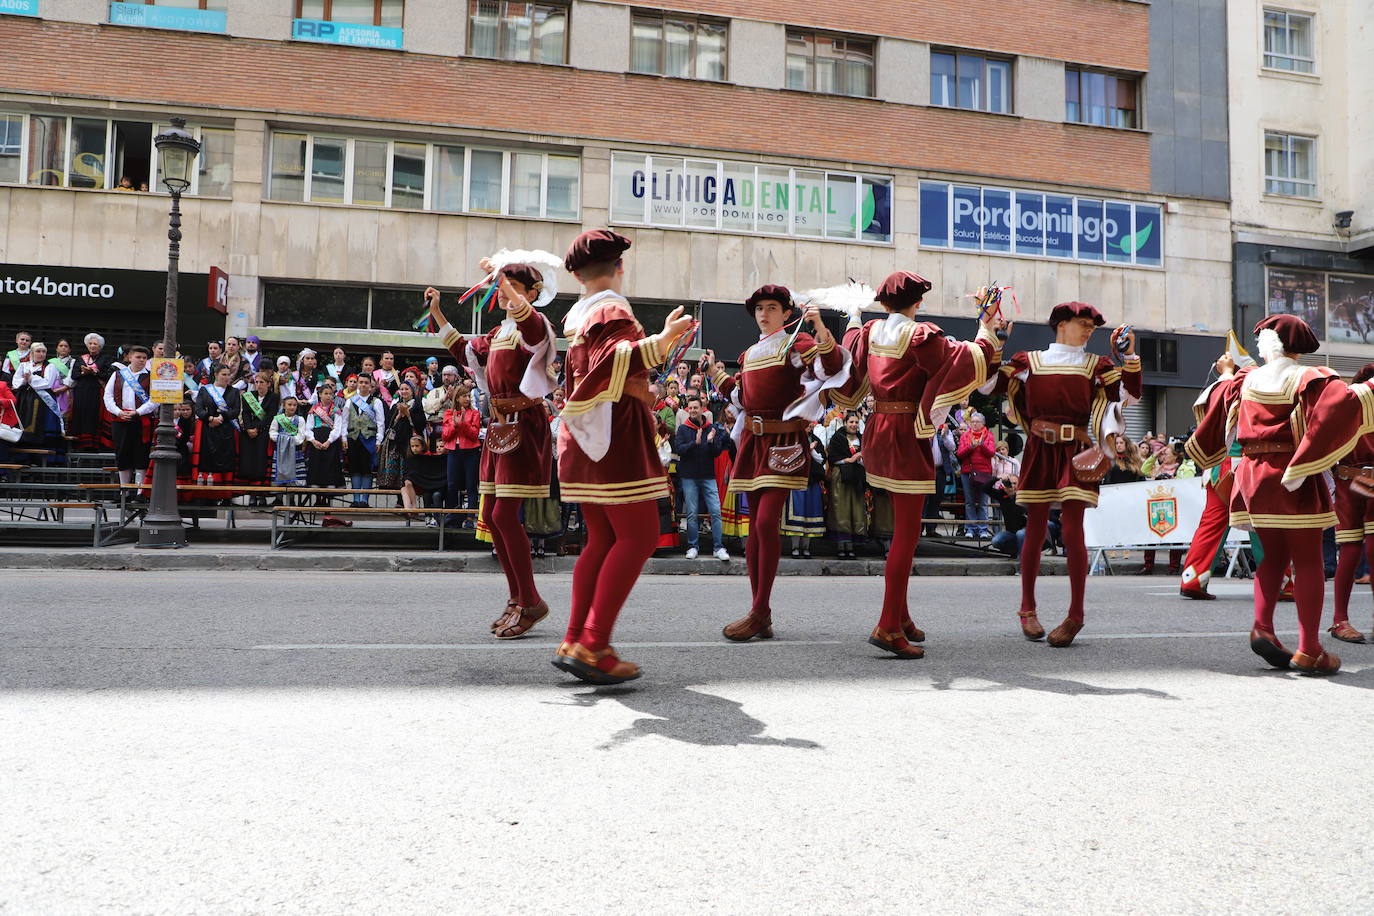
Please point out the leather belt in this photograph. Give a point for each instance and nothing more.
(1352, 471)
(1249, 449)
(760, 426)
(513, 405)
(894, 406)
(1056, 433)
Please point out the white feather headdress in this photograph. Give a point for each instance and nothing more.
(547, 264)
(851, 298)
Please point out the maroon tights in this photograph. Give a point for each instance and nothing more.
(620, 538)
(764, 547)
(1303, 548)
(1348, 560)
(501, 515)
(1071, 529)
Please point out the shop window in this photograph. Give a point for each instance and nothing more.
(1288, 41)
(510, 30)
(1290, 165)
(301, 306)
(11, 148)
(1105, 99)
(47, 150)
(961, 80)
(837, 64)
(673, 44)
(388, 13)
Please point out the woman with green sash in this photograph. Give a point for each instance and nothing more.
(255, 447)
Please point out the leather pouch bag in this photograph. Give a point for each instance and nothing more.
(1363, 486)
(503, 437)
(787, 459)
(1091, 465)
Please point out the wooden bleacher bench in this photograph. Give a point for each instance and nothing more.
(102, 529)
(281, 519)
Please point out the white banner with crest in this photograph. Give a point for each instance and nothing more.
(1151, 513)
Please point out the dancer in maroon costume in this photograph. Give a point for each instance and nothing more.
(1354, 477)
(776, 394)
(916, 374)
(607, 453)
(1294, 423)
(513, 364)
(1068, 401)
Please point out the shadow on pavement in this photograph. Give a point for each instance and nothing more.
(686, 715)
(1062, 686)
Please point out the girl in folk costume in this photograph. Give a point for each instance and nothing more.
(337, 369)
(848, 509)
(1354, 497)
(90, 372)
(324, 429)
(128, 398)
(282, 382)
(364, 423)
(776, 394)
(240, 373)
(184, 428)
(37, 384)
(1069, 402)
(217, 407)
(1294, 423)
(388, 380)
(287, 433)
(514, 364)
(304, 378)
(916, 374)
(64, 362)
(255, 445)
(607, 460)
(404, 418)
(205, 369)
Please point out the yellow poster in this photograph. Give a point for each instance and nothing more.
(167, 377)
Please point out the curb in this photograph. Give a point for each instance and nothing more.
(192, 559)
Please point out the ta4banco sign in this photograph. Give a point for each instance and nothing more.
(1039, 224)
(716, 194)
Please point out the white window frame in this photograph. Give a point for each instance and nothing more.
(1311, 18)
(1289, 137)
(985, 104)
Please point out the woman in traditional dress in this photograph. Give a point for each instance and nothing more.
(1294, 423)
(90, 373)
(37, 384)
(260, 403)
(513, 364)
(848, 518)
(337, 370)
(776, 395)
(803, 518)
(217, 407)
(324, 446)
(916, 374)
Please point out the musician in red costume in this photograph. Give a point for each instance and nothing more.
(1354, 497)
(608, 460)
(1294, 423)
(514, 364)
(916, 374)
(777, 395)
(1069, 403)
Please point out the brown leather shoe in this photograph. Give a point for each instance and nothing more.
(895, 643)
(749, 627)
(1346, 633)
(1063, 634)
(603, 667)
(501, 621)
(522, 619)
(1197, 594)
(560, 656)
(912, 632)
(1030, 625)
(1323, 665)
(1267, 646)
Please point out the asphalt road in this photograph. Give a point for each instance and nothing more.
(355, 742)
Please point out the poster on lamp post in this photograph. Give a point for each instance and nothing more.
(167, 380)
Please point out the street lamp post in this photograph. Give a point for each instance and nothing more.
(177, 154)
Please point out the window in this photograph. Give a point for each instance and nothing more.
(386, 13)
(1290, 165)
(1105, 99)
(99, 153)
(450, 179)
(673, 44)
(838, 64)
(1288, 41)
(959, 80)
(299, 305)
(510, 30)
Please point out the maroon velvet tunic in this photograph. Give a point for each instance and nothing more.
(1355, 513)
(901, 360)
(777, 384)
(513, 354)
(1064, 386)
(1307, 408)
(607, 450)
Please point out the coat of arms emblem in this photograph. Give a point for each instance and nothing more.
(1163, 510)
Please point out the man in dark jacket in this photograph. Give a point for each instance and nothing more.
(697, 442)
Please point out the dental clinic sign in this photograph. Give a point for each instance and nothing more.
(722, 195)
(1005, 221)
(344, 33)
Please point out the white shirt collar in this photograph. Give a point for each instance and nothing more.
(572, 323)
(1059, 349)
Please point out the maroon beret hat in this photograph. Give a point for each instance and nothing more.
(779, 294)
(1295, 333)
(595, 246)
(1066, 310)
(902, 289)
(1365, 374)
(523, 274)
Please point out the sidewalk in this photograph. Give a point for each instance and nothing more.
(251, 556)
